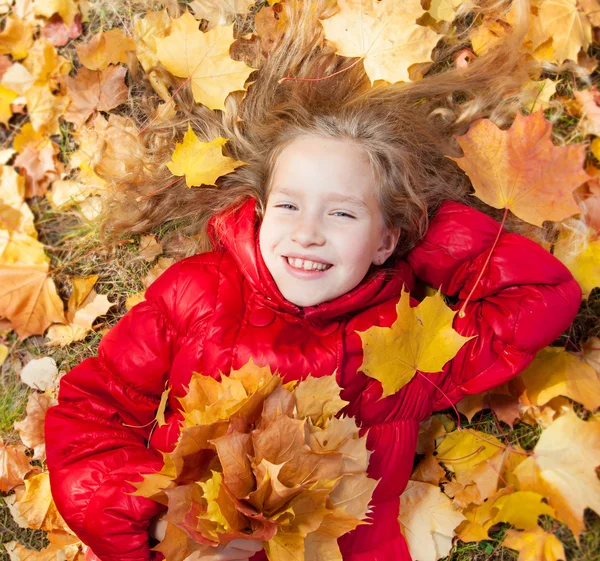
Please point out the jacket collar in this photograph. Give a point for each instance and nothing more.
(236, 231)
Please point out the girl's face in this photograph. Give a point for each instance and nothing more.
(322, 209)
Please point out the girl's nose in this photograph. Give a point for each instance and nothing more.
(308, 232)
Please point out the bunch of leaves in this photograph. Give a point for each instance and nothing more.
(261, 460)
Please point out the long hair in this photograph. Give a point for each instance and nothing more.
(406, 129)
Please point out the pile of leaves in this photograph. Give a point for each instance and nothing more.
(261, 460)
(67, 88)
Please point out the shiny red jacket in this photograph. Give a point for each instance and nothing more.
(214, 311)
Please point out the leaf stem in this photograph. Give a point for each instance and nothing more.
(461, 313)
(288, 78)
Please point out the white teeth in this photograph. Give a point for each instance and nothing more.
(306, 265)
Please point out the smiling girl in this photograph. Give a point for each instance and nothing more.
(346, 198)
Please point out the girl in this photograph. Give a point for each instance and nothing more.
(346, 198)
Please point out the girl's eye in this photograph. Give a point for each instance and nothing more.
(283, 205)
(344, 213)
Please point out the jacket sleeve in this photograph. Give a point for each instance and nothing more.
(525, 299)
(91, 453)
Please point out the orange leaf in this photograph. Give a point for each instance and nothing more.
(521, 169)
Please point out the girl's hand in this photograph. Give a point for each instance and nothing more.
(235, 550)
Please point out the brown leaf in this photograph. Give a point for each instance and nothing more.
(58, 33)
(14, 466)
(37, 506)
(429, 471)
(105, 48)
(28, 299)
(39, 167)
(31, 429)
(233, 450)
(92, 91)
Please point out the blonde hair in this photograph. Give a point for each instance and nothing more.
(406, 129)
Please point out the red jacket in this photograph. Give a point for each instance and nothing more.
(214, 311)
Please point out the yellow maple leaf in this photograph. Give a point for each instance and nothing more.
(521, 169)
(580, 253)
(28, 298)
(319, 398)
(535, 545)
(6, 98)
(521, 509)
(16, 38)
(563, 469)
(385, 33)
(204, 58)
(105, 48)
(427, 520)
(37, 506)
(422, 338)
(444, 10)
(567, 26)
(202, 163)
(555, 372)
(66, 9)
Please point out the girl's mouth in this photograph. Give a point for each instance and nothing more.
(304, 273)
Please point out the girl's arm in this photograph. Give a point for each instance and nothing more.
(525, 299)
(91, 453)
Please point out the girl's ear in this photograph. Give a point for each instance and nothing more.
(388, 244)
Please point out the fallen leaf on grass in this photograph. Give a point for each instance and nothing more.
(14, 465)
(31, 428)
(105, 48)
(204, 58)
(427, 520)
(521, 169)
(40, 373)
(563, 469)
(92, 91)
(535, 545)
(37, 506)
(202, 163)
(385, 33)
(555, 372)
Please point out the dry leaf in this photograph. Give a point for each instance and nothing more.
(92, 91)
(37, 506)
(14, 466)
(202, 163)
(427, 520)
(105, 48)
(31, 428)
(535, 545)
(563, 469)
(40, 373)
(149, 249)
(204, 58)
(521, 169)
(385, 33)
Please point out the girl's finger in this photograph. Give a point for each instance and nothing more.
(246, 545)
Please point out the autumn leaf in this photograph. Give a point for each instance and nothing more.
(521, 169)
(422, 338)
(31, 429)
(28, 298)
(385, 33)
(16, 38)
(37, 506)
(6, 98)
(535, 545)
(318, 398)
(92, 91)
(555, 372)
(218, 12)
(202, 163)
(580, 253)
(105, 48)
(563, 469)
(427, 520)
(444, 10)
(66, 9)
(14, 465)
(85, 305)
(204, 58)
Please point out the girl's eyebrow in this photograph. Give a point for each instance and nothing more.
(334, 197)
